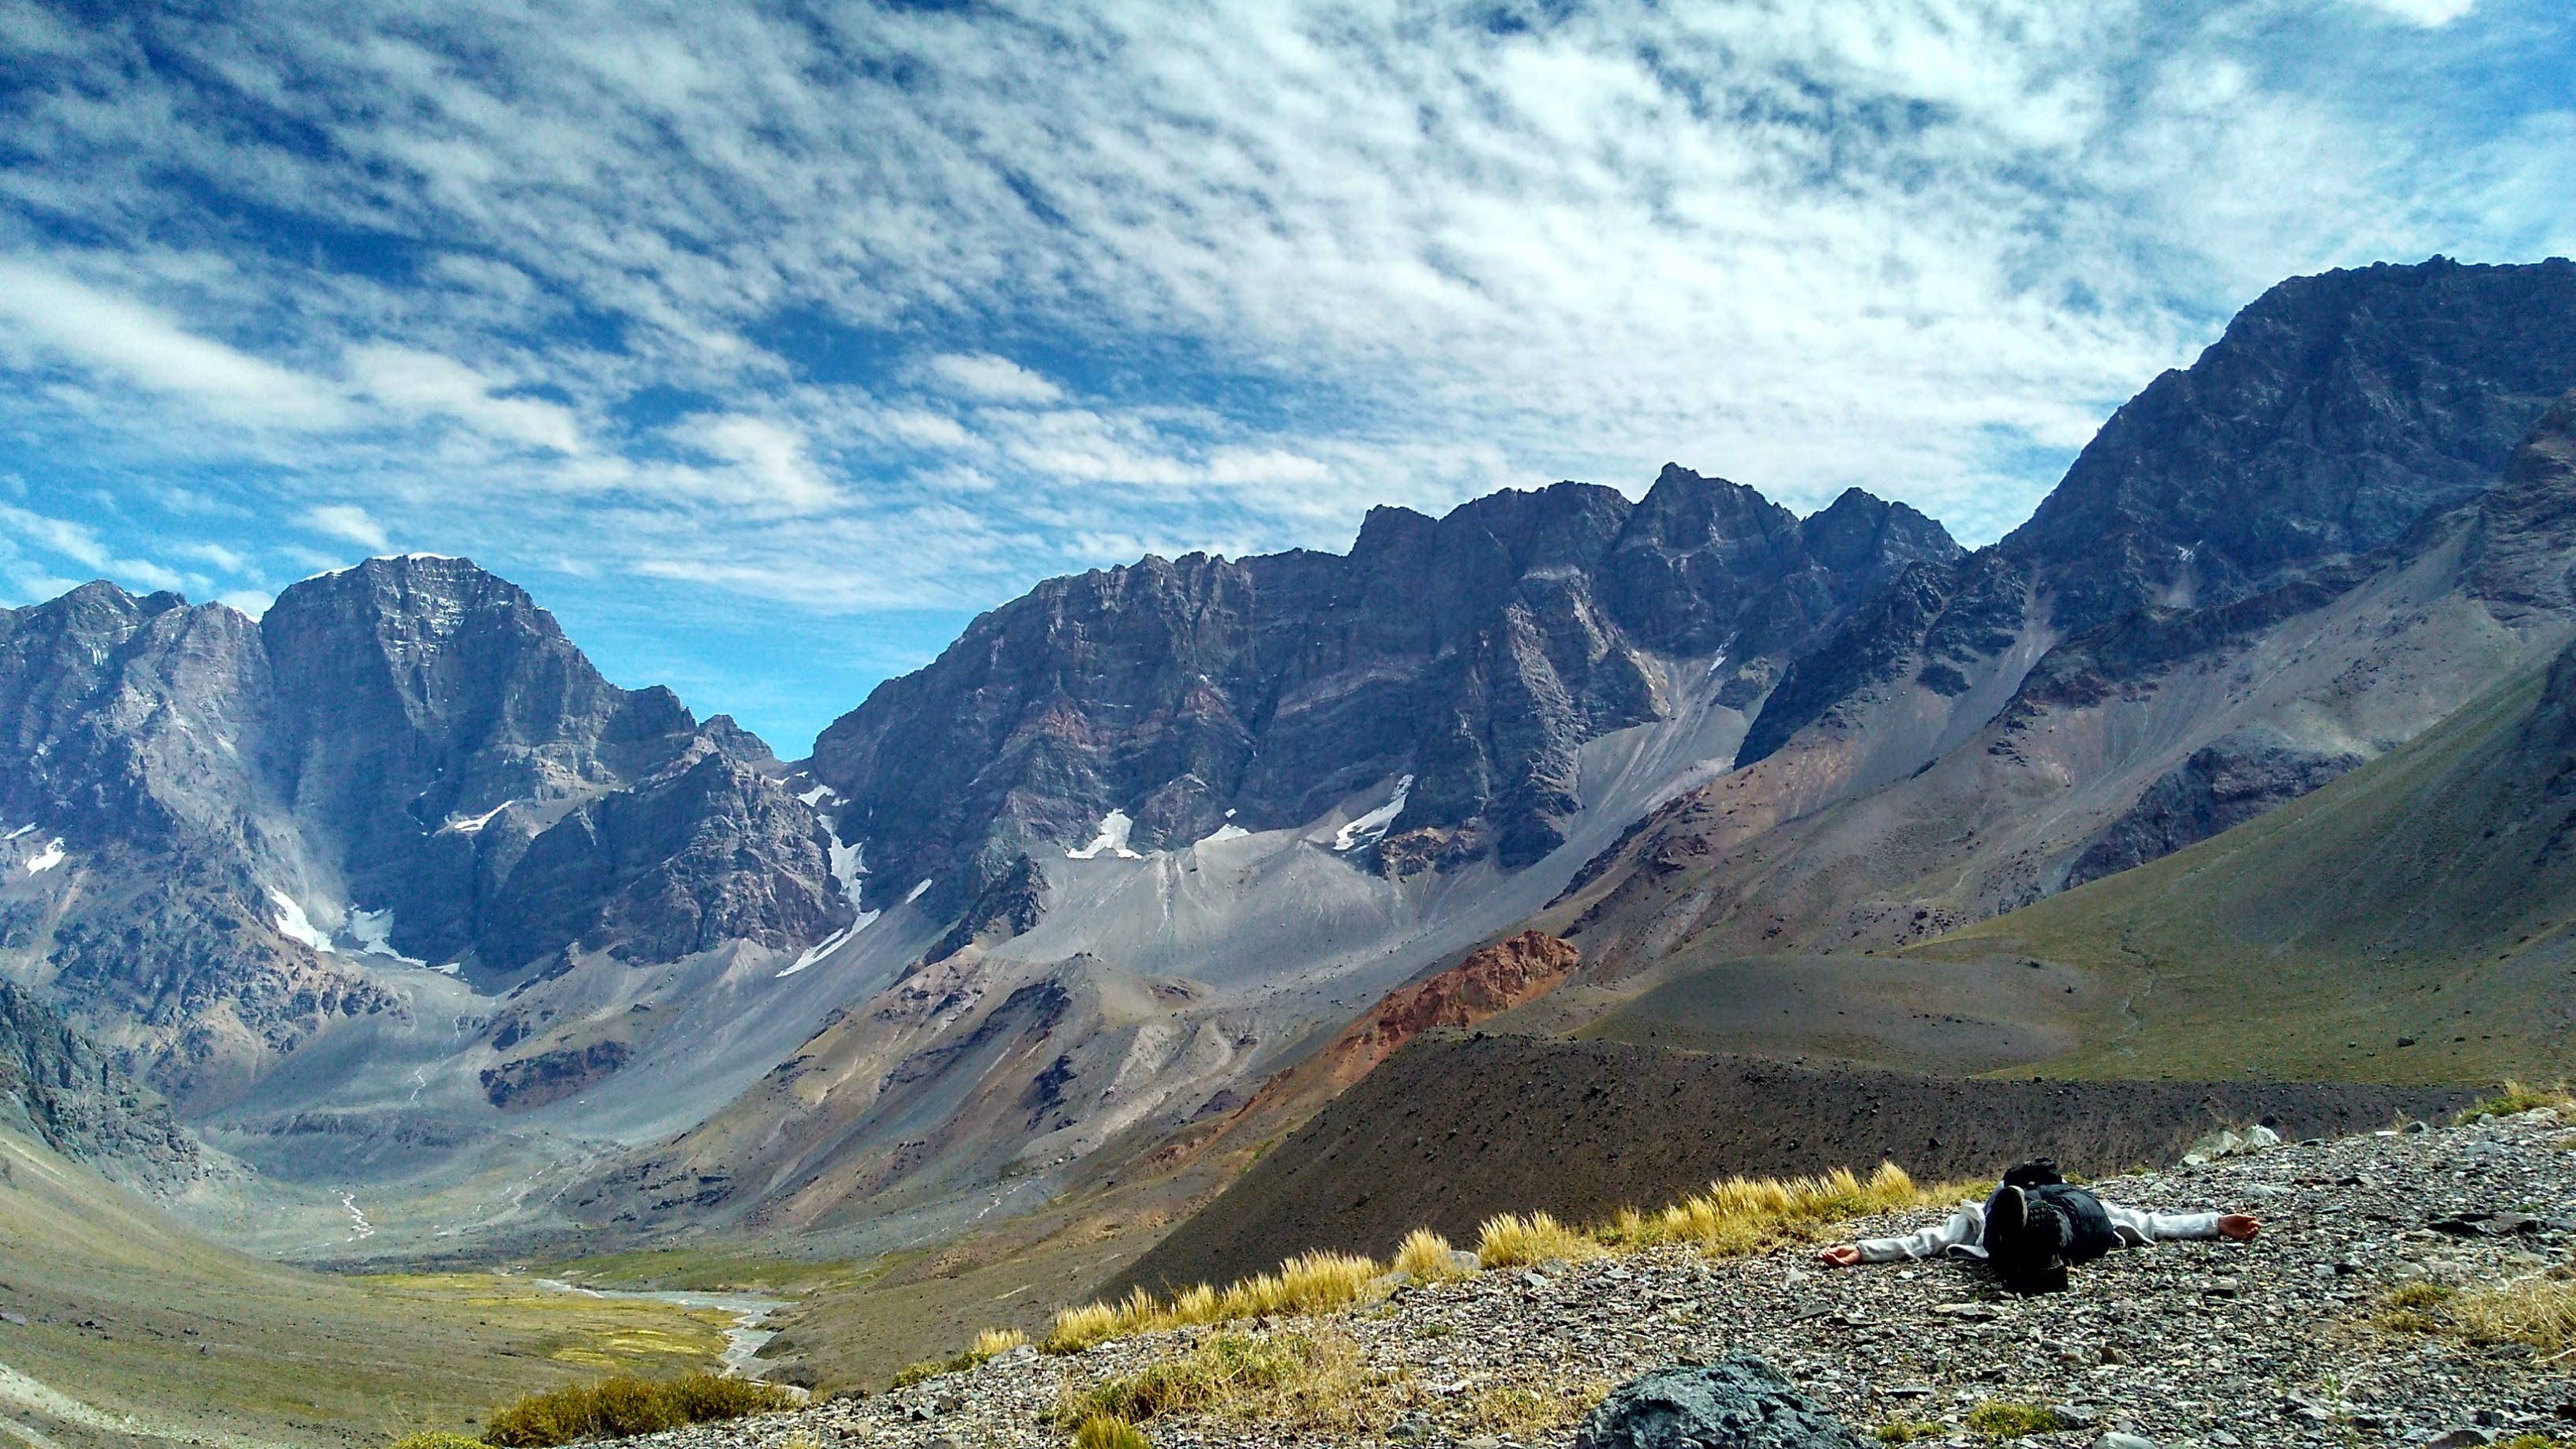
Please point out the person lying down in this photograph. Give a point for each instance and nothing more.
(2035, 1227)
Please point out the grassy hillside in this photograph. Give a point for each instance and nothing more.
(2408, 923)
(134, 1329)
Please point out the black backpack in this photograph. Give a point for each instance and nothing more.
(2039, 1225)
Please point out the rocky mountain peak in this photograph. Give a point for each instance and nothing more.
(2335, 411)
(1473, 653)
(394, 740)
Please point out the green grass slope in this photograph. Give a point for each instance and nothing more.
(2407, 923)
(125, 1328)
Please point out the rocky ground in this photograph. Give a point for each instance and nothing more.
(2184, 1344)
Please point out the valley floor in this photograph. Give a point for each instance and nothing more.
(2287, 1340)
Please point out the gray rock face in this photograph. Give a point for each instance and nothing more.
(64, 1091)
(2336, 412)
(1739, 1402)
(2218, 787)
(1474, 652)
(410, 736)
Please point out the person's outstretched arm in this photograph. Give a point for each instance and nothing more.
(1960, 1230)
(2140, 1226)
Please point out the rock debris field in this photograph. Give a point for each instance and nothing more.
(2180, 1344)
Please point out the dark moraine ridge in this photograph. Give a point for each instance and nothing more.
(1449, 1132)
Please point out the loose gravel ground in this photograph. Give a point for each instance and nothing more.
(2183, 1344)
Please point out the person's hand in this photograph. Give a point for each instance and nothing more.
(1840, 1255)
(2238, 1227)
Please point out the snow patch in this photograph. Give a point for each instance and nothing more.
(294, 925)
(468, 827)
(831, 943)
(1227, 831)
(1371, 828)
(848, 863)
(374, 930)
(28, 829)
(449, 968)
(917, 891)
(1114, 827)
(46, 859)
(815, 795)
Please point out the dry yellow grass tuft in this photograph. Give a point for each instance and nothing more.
(1530, 1411)
(1752, 1215)
(1737, 1216)
(1103, 1431)
(1306, 1285)
(2539, 1312)
(2518, 1097)
(1425, 1257)
(1291, 1381)
(1511, 1241)
(987, 1343)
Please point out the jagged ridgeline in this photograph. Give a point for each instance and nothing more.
(1472, 655)
(391, 887)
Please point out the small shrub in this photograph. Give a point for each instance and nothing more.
(1101, 1431)
(440, 1439)
(2001, 1419)
(624, 1406)
(1511, 1241)
(2534, 1441)
(2412, 1307)
(1425, 1257)
(2519, 1097)
(1906, 1431)
(1526, 1411)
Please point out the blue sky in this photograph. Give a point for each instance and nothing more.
(768, 344)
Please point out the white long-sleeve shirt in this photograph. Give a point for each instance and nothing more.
(1965, 1233)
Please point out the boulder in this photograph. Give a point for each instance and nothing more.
(1738, 1402)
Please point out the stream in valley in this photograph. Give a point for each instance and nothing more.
(743, 1340)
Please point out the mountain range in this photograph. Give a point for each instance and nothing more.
(403, 907)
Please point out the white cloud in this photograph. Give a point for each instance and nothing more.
(249, 601)
(2431, 13)
(118, 335)
(926, 429)
(769, 466)
(1279, 262)
(223, 558)
(82, 545)
(998, 379)
(417, 381)
(350, 522)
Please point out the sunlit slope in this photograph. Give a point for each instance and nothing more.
(136, 1331)
(2406, 923)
